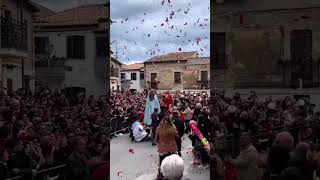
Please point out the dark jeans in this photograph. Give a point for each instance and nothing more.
(179, 141)
(204, 156)
(153, 133)
(187, 122)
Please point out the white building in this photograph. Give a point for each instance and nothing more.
(132, 77)
(72, 49)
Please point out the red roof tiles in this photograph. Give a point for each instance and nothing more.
(82, 15)
(176, 56)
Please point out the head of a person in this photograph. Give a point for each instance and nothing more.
(166, 127)
(156, 110)
(152, 93)
(285, 140)
(172, 167)
(4, 155)
(80, 145)
(245, 139)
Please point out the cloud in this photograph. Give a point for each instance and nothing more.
(136, 38)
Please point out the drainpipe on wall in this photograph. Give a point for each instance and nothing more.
(22, 73)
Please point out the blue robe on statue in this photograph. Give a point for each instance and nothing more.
(149, 109)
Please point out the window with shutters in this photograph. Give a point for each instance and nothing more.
(75, 47)
(141, 75)
(133, 76)
(41, 45)
(101, 46)
(218, 49)
(153, 76)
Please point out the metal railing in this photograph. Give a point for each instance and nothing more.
(307, 70)
(120, 123)
(14, 34)
(52, 62)
(54, 173)
(229, 143)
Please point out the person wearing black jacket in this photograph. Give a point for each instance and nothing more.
(180, 127)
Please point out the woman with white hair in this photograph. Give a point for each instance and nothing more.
(172, 167)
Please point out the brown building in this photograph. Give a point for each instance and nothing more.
(269, 44)
(176, 71)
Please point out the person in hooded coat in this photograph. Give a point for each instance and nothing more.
(152, 103)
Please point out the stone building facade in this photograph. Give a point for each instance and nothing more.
(269, 44)
(177, 71)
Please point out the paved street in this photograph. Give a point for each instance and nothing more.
(142, 164)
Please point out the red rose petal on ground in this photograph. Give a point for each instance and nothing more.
(131, 150)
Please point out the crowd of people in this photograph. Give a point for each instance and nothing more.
(269, 139)
(250, 138)
(47, 129)
(163, 119)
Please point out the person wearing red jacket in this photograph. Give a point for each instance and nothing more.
(101, 172)
(168, 101)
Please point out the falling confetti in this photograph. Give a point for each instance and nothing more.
(131, 150)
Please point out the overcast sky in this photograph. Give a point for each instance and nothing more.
(137, 33)
(144, 28)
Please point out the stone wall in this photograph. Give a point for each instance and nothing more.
(271, 41)
(190, 72)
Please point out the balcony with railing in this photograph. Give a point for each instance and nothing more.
(50, 68)
(14, 37)
(306, 70)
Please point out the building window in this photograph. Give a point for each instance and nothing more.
(204, 75)
(218, 49)
(133, 76)
(301, 44)
(41, 45)
(101, 46)
(123, 76)
(177, 77)
(75, 47)
(141, 75)
(153, 76)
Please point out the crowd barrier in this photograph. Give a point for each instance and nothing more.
(54, 173)
(120, 123)
(230, 144)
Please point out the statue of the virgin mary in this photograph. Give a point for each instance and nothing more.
(152, 103)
